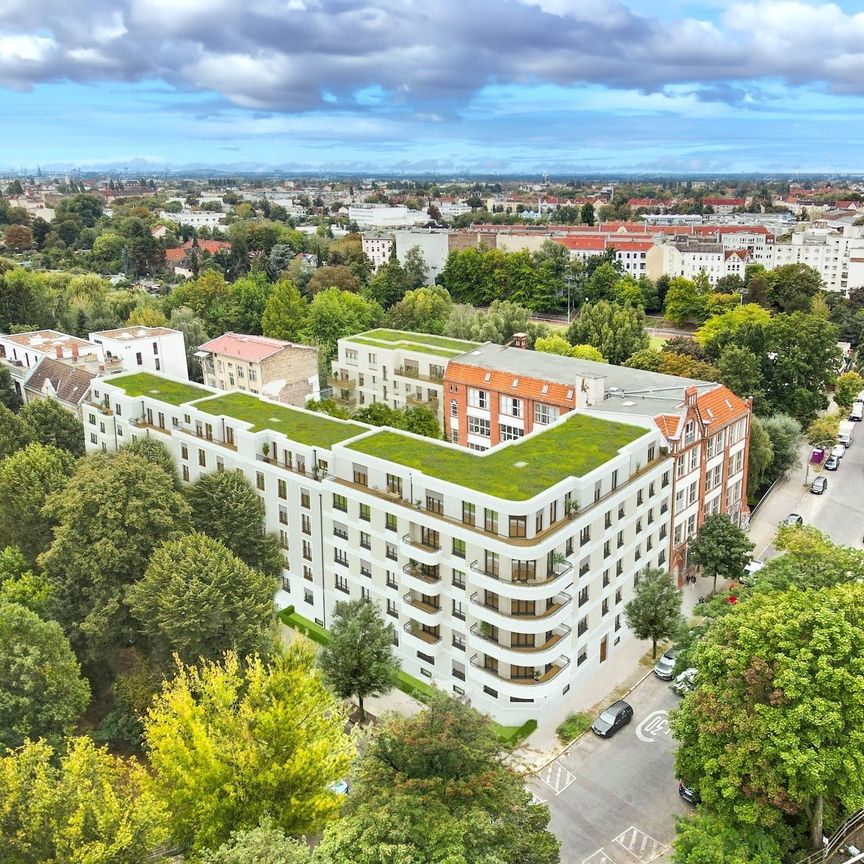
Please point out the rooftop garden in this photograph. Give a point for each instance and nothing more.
(424, 343)
(157, 387)
(304, 427)
(516, 472)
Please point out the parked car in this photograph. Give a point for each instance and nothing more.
(339, 787)
(684, 682)
(615, 717)
(688, 793)
(791, 520)
(752, 568)
(838, 452)
(819, 485)
(832, 463)
(664, 666)
(845, 438)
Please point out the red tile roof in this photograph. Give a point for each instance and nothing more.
(502, 382)
(668, 425)
(721, 406)
(252, 349)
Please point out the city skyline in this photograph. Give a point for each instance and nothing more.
(511, 88)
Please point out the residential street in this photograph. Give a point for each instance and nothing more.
(613, 800)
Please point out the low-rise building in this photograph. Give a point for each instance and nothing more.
(157, 349)
(280, 370)
(504, 574)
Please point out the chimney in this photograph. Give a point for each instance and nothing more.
(58, 350)
(519, 340)
(74, 350)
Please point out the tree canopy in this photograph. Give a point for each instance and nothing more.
(654, 612)
(615, 331)
(720, 548)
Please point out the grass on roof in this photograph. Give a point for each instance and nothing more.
(164, 389)
(393, 338)
(517, 472)
(304, 427)
(410, 346)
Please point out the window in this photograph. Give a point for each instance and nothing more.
(607, 547)
(361, 476)
(184, 451)
(307, 572)
(458, 548)
(340, 556)
(391, 609)
(340, 502)
(307, 597)
(617, 622)
(283, 515)
(665, 479)
(390, 522)
(469, 513)
(391, 580)
(139, 360)
(518, 527)
(607, 521)
(366, 569)
(365, 513)
(305, 523)
(478, 398)
(620, 539)
(185, 467)
(454, 408)
(459, 609)
(689, 433)
(479, 426)
(342, 583)
(365, 540)
(582, 626)
(509, 433)
(458, 642)
(678, 534)
(434, 503)
(585, 535)
(304, 498)
(458, 579)
(617, 596)
(283, 489)
(583, 596)
(394, 485)
(511, 406)
(605, 578)
(490, 520)
(307, 550)
(202, 460)
(583, 656)
(283, 538)
(545, 414)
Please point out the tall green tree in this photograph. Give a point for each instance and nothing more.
(389, 284)
(654, 612)
(285, 316)
(194, 334)
(436, 787)
(685, 302)
(785, 435)
(823, 431)
(78, 804)
(847, 387)
(15, 434)
(27, 479)
(760, 456)
(8, 395)
(774, 727)
(154, 452)
(198, 600)
(416, 269)
(19, 584)
(54, 425)
(705, 838)
(227, 508)
(42, 693)
(793, 287)
(335, 313)
(720, 548)
(615, 331)
(230, 743)
(424, 310)
(358, 660)
(111, 515)
(262, 845)
(741, 371)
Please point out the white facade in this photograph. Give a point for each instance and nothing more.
(382, 216)
(434, 246)
(378, 248)
(195, 218)
(154, 349)
(516, 604)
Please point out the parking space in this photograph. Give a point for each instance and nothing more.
(614, 801)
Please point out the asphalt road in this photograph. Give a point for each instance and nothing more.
(614, 801)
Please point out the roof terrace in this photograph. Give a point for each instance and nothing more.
(424, 343)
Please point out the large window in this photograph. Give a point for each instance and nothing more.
(478, 398)
(478, 426)
(545, 414)
(509, 433)
(511, 406)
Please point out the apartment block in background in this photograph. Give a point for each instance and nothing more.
(395, 367)
(152, 349)
(284, 371)
(504, 573)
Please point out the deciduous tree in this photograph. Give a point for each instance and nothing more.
(720, 548)
(823, 431)
(615, 331)
(154, 452)
(705, 838)
(262, 845)
(654, 612)
(285, 316)
(424, 310)
(847, 387)
(15, 434)
(54, 425)
(759, 456)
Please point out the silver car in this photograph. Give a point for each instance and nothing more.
(665, 665)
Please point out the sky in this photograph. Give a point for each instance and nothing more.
(448, 86)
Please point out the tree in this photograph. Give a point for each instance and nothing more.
(719, 330)
(227, 508)
(111, 515)
(720, 548)
(705, 838)
(424, 310)
(335, 313)
(585, 352)
(27, 479)
(15, 434)
(339, 277)
(54, 425)
(773, 728)
(194, 335)
(434, 788)
(741, 371)
(197, 600)
(847, 387)
(154, 452)
(19, 584)
(601, 283)
(655, 611)
(586, 214)
(421, 421)
(285, 316)
(615, 331)
(358, 660)
(262, 845)
(759, 457)
(230, 743)
(785, 435)
(554, 344)
(78, 805)
(649, 359)
(823, 431)
(389, 284)
(42, 693)
(8, 395)
(416, 269)
(685, 303)
(793, 287)
(19, 238)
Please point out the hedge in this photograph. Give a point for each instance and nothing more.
(308, 628)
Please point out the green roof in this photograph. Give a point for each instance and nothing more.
(157, 387)
(304, 427)
(424, 343)
(516, 472)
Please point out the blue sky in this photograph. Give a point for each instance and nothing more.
(448, 85)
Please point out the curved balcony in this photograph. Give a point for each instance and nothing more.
(544, 683)
(423, 578)
(518, 590)
(424, 612)
(539, 622)
(538, 655)
(421, 639)
(422, 552)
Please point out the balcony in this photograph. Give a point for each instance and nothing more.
(424, 612)
(427, 575)
(423, 402)
(540, 683)
(424, 552)
(518, 655)
(518, 588)
(339, 383)
(416, 630)
(141, 423)
(201, 436)
(416, 375)
(537, 622)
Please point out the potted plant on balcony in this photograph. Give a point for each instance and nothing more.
(571, 508)
(537, 674)
(265, 450)
(419, 503)
(485, 629)
(559, 559)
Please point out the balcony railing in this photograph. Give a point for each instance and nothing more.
(559, 601)
(541, 577)
(428, 608)
(426, 547)
(416, 375)
(424, 576)
(341, 383)
(539, 677)
(558, 634)
(423, 401)
(415, 629)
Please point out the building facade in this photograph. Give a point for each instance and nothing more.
(154, 349)
(504, 574)
(284, 371)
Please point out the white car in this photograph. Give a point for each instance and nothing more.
(752, 568)
(839, 451)
(684, 682)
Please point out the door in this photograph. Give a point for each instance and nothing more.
(603, 649)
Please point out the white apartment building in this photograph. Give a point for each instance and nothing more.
(377, 248)
(195, 218)
(157, 349)
(504, 574)
(396, 367)
(384, 216)
(826, 250)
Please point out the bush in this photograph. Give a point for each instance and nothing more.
(574, 726)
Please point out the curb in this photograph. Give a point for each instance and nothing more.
(569, 744)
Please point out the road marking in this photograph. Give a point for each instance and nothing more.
(653, 726)
(556, 777)
(640, 845)
(599, 857)
(535, 798)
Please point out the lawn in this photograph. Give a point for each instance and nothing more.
(304, 427)
(445, 353)
(516, 472)
(163, 389)
(424, 342)
(657, 342)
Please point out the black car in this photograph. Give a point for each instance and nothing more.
(690, 795)
(832, 463)
(616, 716)
(791, 520)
